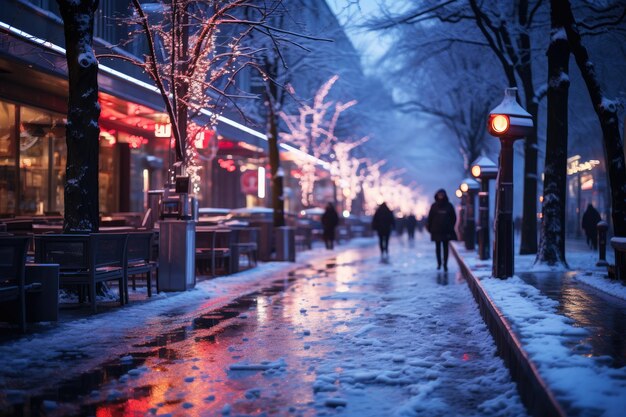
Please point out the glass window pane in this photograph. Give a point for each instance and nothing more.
(107, 177)
(8, 171)
(33, 160)
(59, 159)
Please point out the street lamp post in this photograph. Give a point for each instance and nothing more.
(484, 169)
(508, 121)
(469, 186)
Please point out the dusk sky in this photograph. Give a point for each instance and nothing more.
(436, 165)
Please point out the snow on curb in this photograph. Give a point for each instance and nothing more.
(584, 384)
(581, 382)
(602, 283)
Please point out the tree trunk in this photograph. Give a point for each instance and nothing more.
(552, 246)
(607, 115)
(528, 243)
(278, 200)
(83, 131)
(180, 55)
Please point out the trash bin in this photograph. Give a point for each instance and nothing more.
(43, 304)
(265, 238)
(177, 255)
(286, 244)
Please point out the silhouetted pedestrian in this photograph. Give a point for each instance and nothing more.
(383, 222)
(440, 224)
(330, 220)
(411, 222)
(591, 217)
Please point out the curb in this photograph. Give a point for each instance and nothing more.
(533, 390)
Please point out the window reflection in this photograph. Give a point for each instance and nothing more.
(42, 155)
(8, 170)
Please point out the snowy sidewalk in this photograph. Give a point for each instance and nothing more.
(345, 336)
(572, 333)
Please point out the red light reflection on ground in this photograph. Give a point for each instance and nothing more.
(195, 379)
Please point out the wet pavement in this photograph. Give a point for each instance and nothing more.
(602, 314)
(338, 337)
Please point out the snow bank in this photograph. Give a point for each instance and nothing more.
(582, 382)
(585, 384)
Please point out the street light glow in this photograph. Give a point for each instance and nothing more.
(464, 187)
(458, 193)
(499, 123)
(476, 171)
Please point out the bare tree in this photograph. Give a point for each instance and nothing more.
(461, 110)
(81, 185)
(506, 29)
(286, 53)
(552, 244)
(195, 51)
(312, 130)
(606, 110)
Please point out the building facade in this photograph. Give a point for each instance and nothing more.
(135, 145)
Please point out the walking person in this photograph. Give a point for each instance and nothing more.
(330, 220)
(411, 222)
(440, 224)
(383, 222)
(590, 220)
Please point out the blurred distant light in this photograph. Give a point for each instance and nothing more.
(261, 182)
(346, 213)
(458, 193)
(464, 187)
(476, 171)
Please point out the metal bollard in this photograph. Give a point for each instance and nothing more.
(603, 227)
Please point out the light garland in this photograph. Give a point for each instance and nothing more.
(312, 131)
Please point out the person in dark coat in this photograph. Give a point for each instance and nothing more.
(330, 220)
(591, 217)
(411, 222)
(440, 224)
(383, 222)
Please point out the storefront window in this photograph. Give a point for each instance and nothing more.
(107, 174)
(41, 161)
(8, 170)
(59, 161)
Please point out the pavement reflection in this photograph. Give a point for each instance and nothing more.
(266, 353)
(602, 314)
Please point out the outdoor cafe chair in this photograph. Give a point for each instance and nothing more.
(13, 273)
(205, 242)
(246, 243)
(85, 260)
(139, 260)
